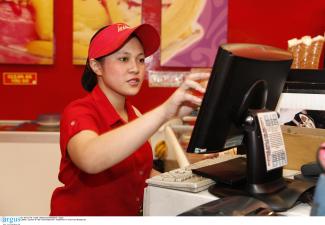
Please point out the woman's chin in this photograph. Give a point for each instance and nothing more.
(132, 92)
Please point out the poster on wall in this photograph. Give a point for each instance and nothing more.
(91, 15)
(26, 32)
(192, 32)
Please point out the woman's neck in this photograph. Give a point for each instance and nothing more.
(118, 102)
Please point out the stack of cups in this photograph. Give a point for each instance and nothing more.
(306, 52)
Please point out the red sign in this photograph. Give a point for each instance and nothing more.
(19, 78)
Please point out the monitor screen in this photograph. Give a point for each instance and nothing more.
(238, 68)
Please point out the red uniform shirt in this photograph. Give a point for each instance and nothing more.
(116, 191)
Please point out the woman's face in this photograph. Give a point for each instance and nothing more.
(123, 71)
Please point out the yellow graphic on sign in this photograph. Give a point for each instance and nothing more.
(19, 78)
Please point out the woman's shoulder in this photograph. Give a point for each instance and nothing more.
(80, 111)
(81, 105)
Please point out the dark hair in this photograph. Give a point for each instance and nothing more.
(89, 77)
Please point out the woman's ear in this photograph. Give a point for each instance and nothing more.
(96, 67)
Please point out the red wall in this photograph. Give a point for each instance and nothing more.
(252, 21)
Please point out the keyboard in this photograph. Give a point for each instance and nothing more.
(184, 179)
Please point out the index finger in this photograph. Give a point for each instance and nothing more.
(198, 76)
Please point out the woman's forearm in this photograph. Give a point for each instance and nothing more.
(106, 150)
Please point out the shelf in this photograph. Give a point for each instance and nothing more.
(310, 101)
(305, 81)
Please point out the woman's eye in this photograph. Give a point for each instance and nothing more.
(123, 59)
(141, 60)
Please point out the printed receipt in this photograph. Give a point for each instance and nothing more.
(274, 149)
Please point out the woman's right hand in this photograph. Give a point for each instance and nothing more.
(182, 102)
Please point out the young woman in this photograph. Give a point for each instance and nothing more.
(105, 154)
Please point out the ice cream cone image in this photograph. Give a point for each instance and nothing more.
(294, 47)
(306, 52)
(316, 51)
(304, 55)
(179, 26)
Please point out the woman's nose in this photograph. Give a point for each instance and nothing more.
(134, 67)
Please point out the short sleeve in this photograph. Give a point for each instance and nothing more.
(75, 118)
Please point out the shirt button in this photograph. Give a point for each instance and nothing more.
(137, 199)
(141, 172)
(73, 122)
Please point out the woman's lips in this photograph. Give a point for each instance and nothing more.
(134, 81)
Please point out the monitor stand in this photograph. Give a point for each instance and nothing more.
(269, 186)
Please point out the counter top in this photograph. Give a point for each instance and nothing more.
(28, 131)
(27, 126)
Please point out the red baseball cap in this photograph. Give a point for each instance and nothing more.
(112, 37)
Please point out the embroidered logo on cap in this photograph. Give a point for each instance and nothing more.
(121, 27)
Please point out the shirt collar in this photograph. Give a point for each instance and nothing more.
(105, 107)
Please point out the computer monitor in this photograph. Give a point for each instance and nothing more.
(236, 68)
(246, 79)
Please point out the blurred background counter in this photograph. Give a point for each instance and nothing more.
(30, 156)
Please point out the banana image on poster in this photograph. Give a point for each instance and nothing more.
(88, 16)
(91, 15)
(179, 26)
(44, 28)
(27, 31)
(161, 150)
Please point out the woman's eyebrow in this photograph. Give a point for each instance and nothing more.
(128, 53)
